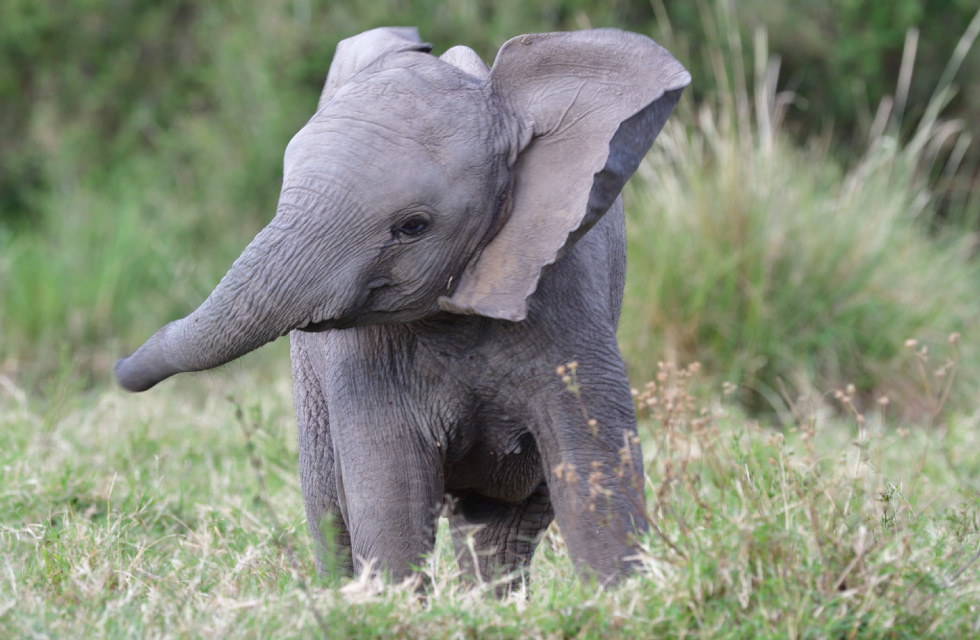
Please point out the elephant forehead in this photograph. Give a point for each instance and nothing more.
(371, 169)
(376, 139)
(416, 79)
(412, 97)
(412, 124)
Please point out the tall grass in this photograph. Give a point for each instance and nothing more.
(782, 271)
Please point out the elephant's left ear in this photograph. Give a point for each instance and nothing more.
(589, 105)
(357, 52)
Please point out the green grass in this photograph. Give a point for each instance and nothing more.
(778, 269)
(143, 516)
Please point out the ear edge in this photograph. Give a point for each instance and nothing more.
(628, 146)
(511, 314)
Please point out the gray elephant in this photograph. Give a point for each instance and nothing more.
(446, 235)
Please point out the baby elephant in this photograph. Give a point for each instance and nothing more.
(446, 236)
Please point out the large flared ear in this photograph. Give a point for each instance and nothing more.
(357, 52)
(589, 105)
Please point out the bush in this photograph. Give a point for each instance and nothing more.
(783, 272)
(140, 151)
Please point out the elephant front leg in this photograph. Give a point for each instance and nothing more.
(494, 541)
(392, 490)
(331, 540)
(595, 474)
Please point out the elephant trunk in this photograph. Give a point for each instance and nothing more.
(270, 290)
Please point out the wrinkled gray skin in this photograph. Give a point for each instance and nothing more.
(441, 244)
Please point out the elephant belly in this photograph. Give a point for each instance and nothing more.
(508, 471)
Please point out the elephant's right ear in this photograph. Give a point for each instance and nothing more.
(357, 52)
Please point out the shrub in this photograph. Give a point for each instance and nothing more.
(777, 268)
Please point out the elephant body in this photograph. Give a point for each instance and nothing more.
(447, 236)
(476, 404)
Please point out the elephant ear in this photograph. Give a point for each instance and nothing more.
(357, 52)
(467, 61)
(589, 105)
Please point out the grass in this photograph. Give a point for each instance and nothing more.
(143, 516)
(777, 268)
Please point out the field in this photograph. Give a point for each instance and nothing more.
(805, 311)
(178, 514)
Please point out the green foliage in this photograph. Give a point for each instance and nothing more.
(774, 269)
(783, 271)
(140, 149)
(95, 73)
(842, 57)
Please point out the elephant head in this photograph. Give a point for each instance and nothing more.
(425, 185)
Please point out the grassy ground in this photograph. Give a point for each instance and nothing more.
(144, 516)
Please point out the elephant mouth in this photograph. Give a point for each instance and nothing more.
(319, 326)
(353, 315)
(373, 316)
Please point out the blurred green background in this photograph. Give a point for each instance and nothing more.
(812, 205)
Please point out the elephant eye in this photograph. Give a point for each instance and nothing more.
(411, 227)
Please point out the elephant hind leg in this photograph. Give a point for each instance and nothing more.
(494, 541)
